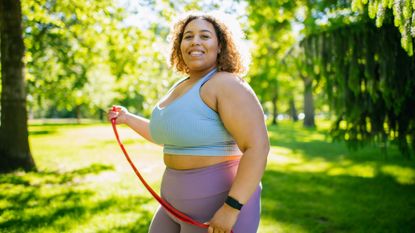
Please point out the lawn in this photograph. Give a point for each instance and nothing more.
(84, 184)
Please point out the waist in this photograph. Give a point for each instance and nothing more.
(186, 162)
(224, 148)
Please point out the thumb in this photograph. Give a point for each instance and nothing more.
(116, 108)
(210, 228)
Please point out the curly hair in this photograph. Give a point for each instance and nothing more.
(233, 56)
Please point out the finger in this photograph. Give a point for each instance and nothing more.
(216, 230)
(109, 115)
(111, 110)
(210, 230)
(112, 115)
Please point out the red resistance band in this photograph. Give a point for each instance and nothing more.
(181, 216)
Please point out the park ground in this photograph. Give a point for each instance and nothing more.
(311, 184)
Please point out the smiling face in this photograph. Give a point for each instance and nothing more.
(199, 46)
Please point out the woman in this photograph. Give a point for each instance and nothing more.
(212, 128)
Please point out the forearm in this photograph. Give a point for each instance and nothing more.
(140, 125)
(249, 174)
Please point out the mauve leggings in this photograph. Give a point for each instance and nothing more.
(199, 193)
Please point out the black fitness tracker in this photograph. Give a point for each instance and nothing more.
(232, 202)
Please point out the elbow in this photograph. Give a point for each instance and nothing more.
(265, 149)
(259, 150)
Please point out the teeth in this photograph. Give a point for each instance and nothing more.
(196, 53)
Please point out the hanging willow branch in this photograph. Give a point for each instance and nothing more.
(404, 17)
(370, 83)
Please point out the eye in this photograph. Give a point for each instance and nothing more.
(205, 36)
(187, 37)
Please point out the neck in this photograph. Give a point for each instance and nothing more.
(196, 74)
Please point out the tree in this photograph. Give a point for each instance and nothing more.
(315, 13)
(296, 63)
(404, 17)
(270, 31)
(369, 81)
(14, 144)
(66, 42)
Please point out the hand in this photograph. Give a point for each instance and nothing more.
(223, 220)
(120, 114)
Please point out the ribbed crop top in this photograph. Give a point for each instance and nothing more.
(187, 126)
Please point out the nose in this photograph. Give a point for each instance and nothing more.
(195, 40)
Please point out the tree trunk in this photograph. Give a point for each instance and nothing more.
(78, 114)
(274, 109)
(293, 110)
(14, 143)
(101, 113)
(308, 103)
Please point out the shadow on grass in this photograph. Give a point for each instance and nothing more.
(128, 141)
(139, 226)
(41, 132)
(52, 177)
(316, 143)
(41, 129)
(303, 140)
(57, 202)
(317, 202)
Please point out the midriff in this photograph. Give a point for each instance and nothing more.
(186, 162)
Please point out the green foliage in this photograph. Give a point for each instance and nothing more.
(369, 82)
(143, 75)
(83, 56)
(404, 17)
(318, 16)
(276, 27)
(66, 43)
(270, 31)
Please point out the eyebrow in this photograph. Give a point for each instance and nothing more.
(205, 30)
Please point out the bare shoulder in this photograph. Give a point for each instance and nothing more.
(226, 78)
(225, 88)
(225, 82)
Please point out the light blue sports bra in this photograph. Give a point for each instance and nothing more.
(187, 126)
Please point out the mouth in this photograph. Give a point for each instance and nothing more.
(196, 53)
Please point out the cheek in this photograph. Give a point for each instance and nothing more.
(182, 47)
(214, 46)
(214, 49)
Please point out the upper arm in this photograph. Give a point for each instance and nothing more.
(241, 112)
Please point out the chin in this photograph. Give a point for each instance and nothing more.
(199, 67)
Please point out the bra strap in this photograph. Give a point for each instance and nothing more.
(208, 76)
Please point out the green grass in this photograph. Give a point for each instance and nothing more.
(84, 184)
